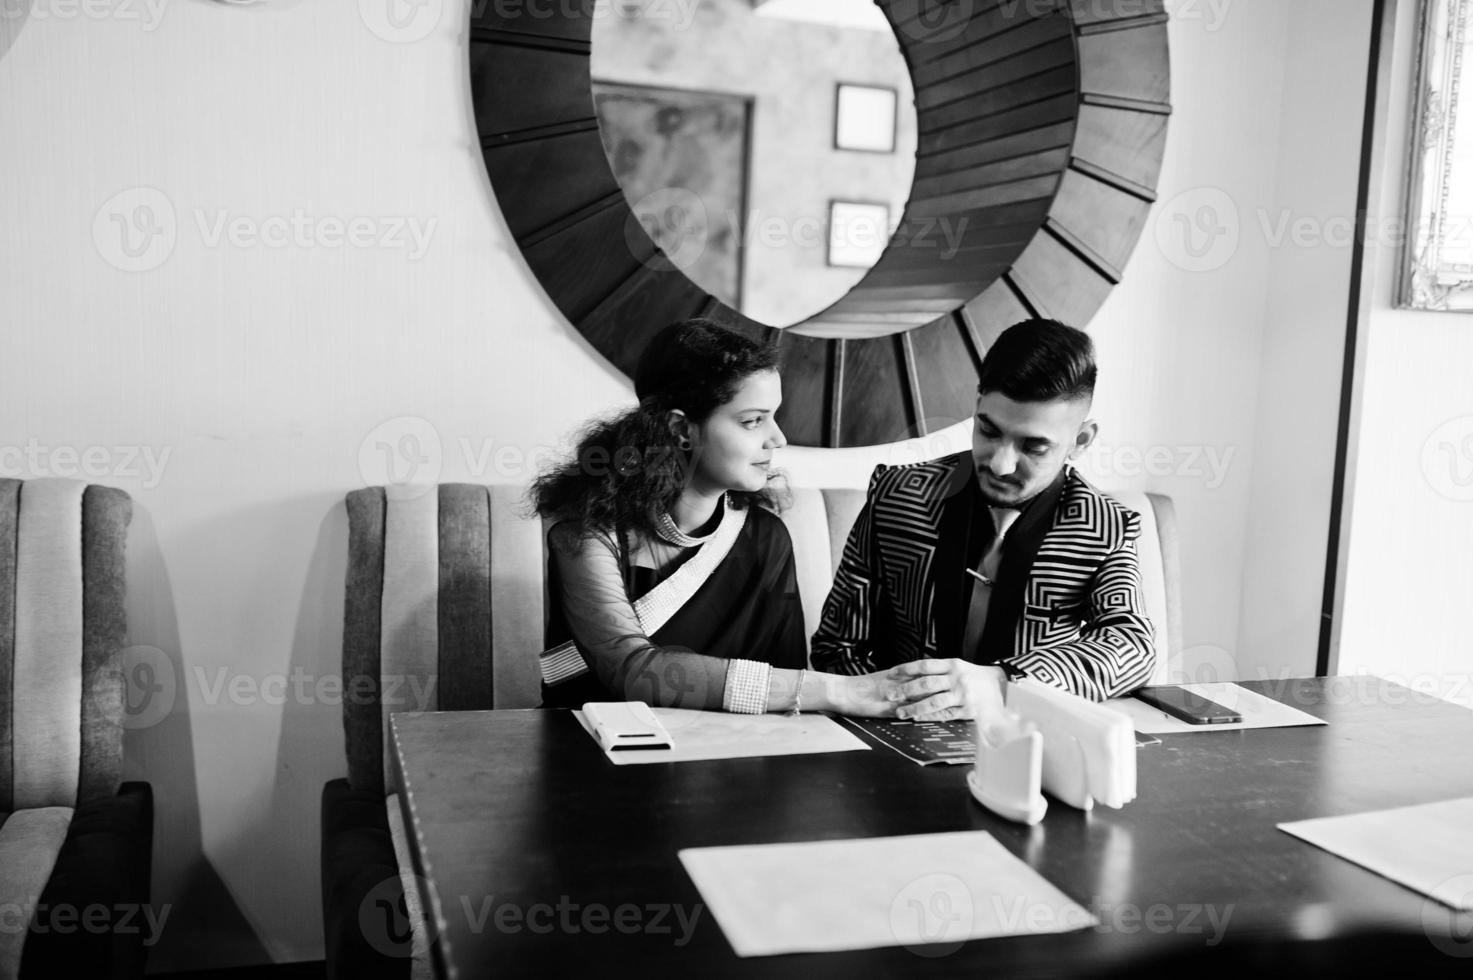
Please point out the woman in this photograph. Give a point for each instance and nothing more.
(672, 577)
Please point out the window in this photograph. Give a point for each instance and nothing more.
(1437, 268)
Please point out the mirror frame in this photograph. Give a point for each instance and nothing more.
(1042, 127)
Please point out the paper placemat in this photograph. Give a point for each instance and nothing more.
(702, 735)
(1427, 848)
(919, 890)
(1258, 711)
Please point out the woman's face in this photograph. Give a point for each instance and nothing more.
(732, 450)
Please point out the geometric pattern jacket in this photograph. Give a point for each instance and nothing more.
(1067, 610)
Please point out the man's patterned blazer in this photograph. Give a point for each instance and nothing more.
(1067, 608)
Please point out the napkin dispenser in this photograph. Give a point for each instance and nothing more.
(1088, 748)
(1079, 751)
(1008, 773)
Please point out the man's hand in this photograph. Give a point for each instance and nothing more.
(944, 690)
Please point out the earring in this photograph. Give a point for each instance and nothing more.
(683, 444)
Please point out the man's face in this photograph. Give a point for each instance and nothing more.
(1018, 448)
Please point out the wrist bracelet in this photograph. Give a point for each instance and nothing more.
(798, 693)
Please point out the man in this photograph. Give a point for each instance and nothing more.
(969, 570)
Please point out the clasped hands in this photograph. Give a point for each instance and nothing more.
(934, 690)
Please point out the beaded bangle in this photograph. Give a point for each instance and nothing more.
(746, 686)
(798, 693)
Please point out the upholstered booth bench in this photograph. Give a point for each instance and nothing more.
(75, 841)
(445, 610)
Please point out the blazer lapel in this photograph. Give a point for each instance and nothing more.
(1022, 547)
(922, 538)
(1065, 558)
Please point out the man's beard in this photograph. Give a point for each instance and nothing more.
(992, 501)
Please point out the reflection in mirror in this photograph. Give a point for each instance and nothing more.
(727, 127)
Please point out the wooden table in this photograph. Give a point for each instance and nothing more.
(539, 857)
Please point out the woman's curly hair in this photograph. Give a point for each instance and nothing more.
(629, 468)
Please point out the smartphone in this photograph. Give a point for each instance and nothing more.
(621, 725)
(1190, 708)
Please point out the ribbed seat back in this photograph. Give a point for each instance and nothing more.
(62, 633)
(417, 613)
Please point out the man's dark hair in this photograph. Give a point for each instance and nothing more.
(1039, 361)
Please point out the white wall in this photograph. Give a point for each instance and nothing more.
(1409, 574)
(271, 375)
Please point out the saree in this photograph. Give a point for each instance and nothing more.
(746, 607)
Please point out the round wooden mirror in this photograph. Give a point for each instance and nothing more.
(1041, 126)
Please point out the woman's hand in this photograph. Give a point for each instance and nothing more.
(874, 695)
